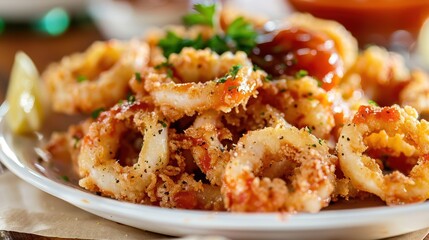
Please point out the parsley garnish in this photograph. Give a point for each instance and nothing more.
(76, 141)
(373, 103)
(162, 123)
(96, 113)
(239, 36)
(301, 73)
(203, 16)
(242, 34)
(81, 78)
(234, 70)
(131, 98)
(138, 77)
(174, 44)
(217, 44)
(65, 178)
(166, 65)
(231, 73)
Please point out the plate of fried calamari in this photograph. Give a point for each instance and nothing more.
(234, 126)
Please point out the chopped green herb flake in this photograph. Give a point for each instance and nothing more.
(169, 72)
(234, 70)
(222, 79)
(162, 123)
(81, 78)
(65, 178)
(76, 141)
(256, 67)
(232, 87)
(301, 73)
(232, 73)
(373, 103)
(203, 16)
(308, 129)
(96, 113)
(138, 77)
(131, 98)
(320, 141)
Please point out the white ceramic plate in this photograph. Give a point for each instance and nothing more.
(19, 156)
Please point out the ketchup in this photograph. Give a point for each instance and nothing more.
(291, 50)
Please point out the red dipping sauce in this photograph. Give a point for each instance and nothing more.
(291, 50)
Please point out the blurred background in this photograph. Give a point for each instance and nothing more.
(49, 29)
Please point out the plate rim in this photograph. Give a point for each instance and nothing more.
(284, 222)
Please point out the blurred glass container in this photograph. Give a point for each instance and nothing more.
(25, 10)
(124, 19)
(390, 23)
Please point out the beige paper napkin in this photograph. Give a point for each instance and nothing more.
(26, 209)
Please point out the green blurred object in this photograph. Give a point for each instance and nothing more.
(2, 25)
(54, 22)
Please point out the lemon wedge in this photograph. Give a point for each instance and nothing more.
(24, 96)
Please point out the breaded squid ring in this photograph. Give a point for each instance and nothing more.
(97, 78)
(387, 133)
(416, 93)
(303, 104)
(222, 93)
(207, 133)
(98, 164)
(208, 152)
(311, 174)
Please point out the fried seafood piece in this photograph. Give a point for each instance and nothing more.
(97, 78)
(217, 89)
(302, 103)
(184, 192)
(211, 156)
(416, 93)
(309, 179)
(344, 42)
(382, 75)
(101, 165)
(211, 139)
(65, 146)
(384, 151)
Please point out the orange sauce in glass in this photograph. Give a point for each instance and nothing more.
(371, 21)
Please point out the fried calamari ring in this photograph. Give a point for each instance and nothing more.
(98, 78)
(177, 99)
(416, 93)
(98, 160)
(208, 152)
(311, 175)
(187, 193)
(303, 104)
(65, 146)
(395, 136)
(208, 132)
(382, 75)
